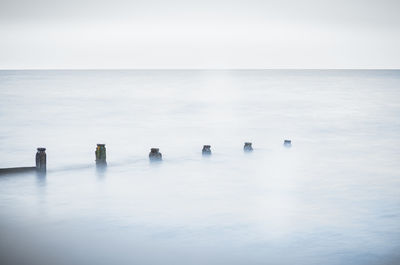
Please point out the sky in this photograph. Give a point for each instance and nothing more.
(219, 34)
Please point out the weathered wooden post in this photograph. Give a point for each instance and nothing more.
(155, 154)
(247, 147)
(101, 155)
(41, 159)
(287, 143)
(206, 150)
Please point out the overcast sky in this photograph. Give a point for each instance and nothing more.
(199, 34)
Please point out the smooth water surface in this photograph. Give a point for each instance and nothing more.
(332, 198)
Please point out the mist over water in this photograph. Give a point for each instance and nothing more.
(332, 198)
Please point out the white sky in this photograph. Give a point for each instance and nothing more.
(199, 34)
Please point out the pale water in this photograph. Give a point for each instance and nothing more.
(332, 198)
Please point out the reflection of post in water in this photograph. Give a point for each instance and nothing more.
(206, 150)
(155, 155)
(40, 179)
(41, 160)
(247, 147)
(101, 170)
(101, 155)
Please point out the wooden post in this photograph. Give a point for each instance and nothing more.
(101, 155)
(206, 150)
(247, 147)
(155, 155)
(41, 159)
(287, 143)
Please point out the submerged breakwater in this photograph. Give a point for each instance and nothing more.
(101, 160)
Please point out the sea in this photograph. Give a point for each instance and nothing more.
(332, 197)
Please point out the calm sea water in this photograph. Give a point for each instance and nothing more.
(332, 198)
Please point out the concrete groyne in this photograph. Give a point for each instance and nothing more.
(17, 170)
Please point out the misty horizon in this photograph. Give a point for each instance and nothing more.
(220, 34)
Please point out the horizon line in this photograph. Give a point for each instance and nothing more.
(188, 69)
